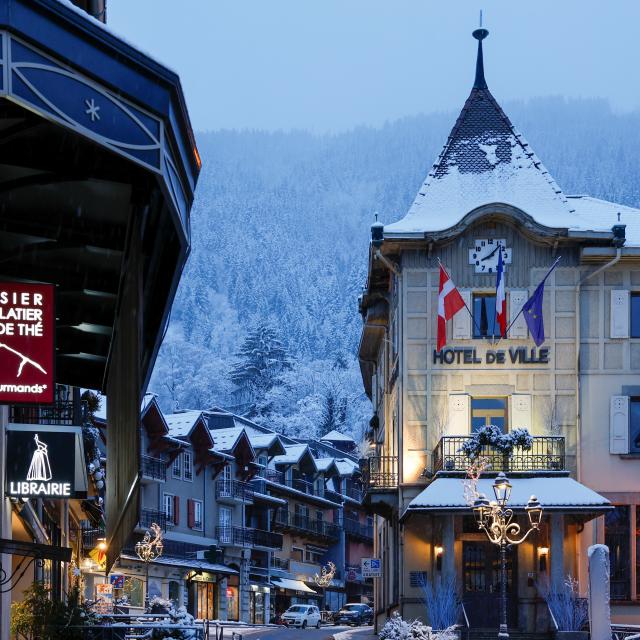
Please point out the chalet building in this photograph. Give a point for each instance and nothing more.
(98, 170)
(577, 393)
(249, 517)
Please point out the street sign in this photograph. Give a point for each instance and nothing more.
(371, 568)
(27, 329)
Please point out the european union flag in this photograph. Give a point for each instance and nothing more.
(532, 310)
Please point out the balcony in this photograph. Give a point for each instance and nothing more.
(149, 516)
(546, 454)
(243, 537)
(233, 491)
(67, 413)
(381, 474)
(309, 527)
(357, 530)
(153, 469)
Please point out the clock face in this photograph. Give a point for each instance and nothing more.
(484, 254)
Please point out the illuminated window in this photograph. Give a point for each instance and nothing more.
(485, 324)
(486, 411)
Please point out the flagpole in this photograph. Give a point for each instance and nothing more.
(475, 324)
(506, 333)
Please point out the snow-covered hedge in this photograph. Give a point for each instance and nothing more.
(396, 628)
(492, 436)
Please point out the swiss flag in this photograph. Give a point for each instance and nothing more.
(449, 303)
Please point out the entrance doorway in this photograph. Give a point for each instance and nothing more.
(481, 584)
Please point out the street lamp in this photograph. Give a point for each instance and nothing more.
(496, 520)
(148, 549)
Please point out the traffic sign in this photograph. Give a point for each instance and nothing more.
(371, 568)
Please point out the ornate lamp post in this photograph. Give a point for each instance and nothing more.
(496, 520)
(148, 549)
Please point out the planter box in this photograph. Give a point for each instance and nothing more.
(572, 635)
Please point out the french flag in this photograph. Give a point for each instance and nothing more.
(501, 298)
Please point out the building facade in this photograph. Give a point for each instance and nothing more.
(249, 518)
(488, 194)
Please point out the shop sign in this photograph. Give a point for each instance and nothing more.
(27, 329)
(371, 567)
(117, 580)
(513, 355)
(45, 461)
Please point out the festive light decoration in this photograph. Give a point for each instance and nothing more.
(149, 549)
(326, 575)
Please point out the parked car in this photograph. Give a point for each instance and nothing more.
(355, 614)
(302, 615)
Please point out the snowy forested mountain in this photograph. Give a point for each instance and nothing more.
(280, 230)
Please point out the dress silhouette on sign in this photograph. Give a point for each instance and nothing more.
(39, 469)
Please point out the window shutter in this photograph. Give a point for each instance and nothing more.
(462, 320)
(191, 516)
(459, 422)
(517, 298)
(619, 425)
(176, 510)
(619, 313)
(520, 412)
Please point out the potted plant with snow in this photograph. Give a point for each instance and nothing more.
(569, 611)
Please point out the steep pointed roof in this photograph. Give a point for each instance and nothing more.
(484, 161)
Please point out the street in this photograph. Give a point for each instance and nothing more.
(324, 633)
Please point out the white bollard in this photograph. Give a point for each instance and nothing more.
(599, 611)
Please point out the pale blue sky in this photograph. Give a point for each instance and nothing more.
(329, 65)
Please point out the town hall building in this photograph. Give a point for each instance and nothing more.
(578, 393)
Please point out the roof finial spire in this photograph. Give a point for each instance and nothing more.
(480, 34)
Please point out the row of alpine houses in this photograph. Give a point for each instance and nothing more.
(251, 521)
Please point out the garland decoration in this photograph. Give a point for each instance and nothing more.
(492, 436)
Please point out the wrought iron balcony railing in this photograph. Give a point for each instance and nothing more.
(245, 537)
(149, 516)
(380, 473)
(234, 490)
(312, 527)
(153, 468)
(546, 454)
(357, 529)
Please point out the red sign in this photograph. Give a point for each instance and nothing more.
(27, 329)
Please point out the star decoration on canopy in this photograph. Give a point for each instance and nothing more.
(92, 109)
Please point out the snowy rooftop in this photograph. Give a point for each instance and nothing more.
(269, 441)
(346, 467)
(336, 436)
(554, 493)
(486, 161)
(225, 439)
(180, 424)
(293, 455)
(324, 464)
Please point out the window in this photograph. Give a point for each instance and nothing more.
(168, 507)
(296, 554)
(485, 411)
(635, 314)
(195, 514)
(224, 524)
(617, 538)
(187, 466)
(319, 488)
(485, 324)
(634, 425)
(132, 592)
(176, 468)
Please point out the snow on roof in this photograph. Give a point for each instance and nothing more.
(187, 564)
(181, 423)
(293, 455)
(262, 440)
(336, 436)
(324, 464)
(346, 467)
(554, 493)
(293, 585)
(487, 161)
(225, 439)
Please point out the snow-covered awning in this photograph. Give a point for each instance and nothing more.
(293, 585)
(186, 563)
(554, 493)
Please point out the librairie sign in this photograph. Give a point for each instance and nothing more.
(513, 355)
(27, 327)
(45, 461)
